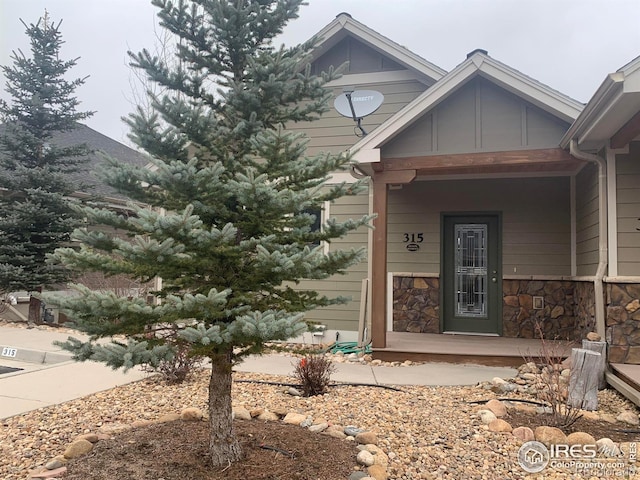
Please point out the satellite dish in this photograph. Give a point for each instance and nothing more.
(357, 104)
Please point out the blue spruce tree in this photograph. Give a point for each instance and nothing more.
(222, 217)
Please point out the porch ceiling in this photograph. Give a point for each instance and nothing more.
(515, 161)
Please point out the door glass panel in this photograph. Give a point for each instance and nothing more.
(471, 270)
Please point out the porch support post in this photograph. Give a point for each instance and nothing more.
(381, 181)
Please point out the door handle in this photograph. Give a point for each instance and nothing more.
(494, 279)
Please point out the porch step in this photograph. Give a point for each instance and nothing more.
(459, 348)
(625, 379)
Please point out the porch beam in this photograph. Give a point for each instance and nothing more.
(381, 182)
(545, 156)
(628, 132)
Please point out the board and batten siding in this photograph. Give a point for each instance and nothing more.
(344, 316)
(535, 212)
(628, 195)
(479, 116)
(587, 218)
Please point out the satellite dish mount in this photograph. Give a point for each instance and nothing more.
(357, 104)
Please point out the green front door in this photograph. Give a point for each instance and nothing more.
(471, 274)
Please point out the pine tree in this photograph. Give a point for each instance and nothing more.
(35, 211)
(226, 226)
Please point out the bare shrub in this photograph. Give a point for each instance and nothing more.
(179, 367)
(314, 374)
(555, 387)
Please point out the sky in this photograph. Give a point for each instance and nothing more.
(569, 45)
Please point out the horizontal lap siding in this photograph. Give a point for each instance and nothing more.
(628, 195)
(344, 316)
(335, 133)
(535, 222)
(587, 216)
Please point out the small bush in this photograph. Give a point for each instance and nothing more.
(181, 365)
(314, 374)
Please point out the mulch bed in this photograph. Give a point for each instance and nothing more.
(178, 451)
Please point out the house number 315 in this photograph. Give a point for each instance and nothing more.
(413, 238)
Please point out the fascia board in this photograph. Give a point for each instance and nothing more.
(545, 98)
(601, 102)
(417, 107)
(398, 52)
(377, 41)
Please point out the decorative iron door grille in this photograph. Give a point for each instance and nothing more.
(471, 270)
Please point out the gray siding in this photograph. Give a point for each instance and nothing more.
(628, 193)
(360, 58)
(343, 317)
(479, 116)
(536, 234)
(335, 133)
(587, 220)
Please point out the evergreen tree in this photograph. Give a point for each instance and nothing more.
(35, 212)
(228, 232)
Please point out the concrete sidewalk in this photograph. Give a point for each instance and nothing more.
(49, 376)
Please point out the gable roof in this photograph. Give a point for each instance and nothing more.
(344, 25)
(615, 103)
(477, 63)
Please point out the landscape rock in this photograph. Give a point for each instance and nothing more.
(365, 458)
(51, 474)
(486, 416)
(594, 337)
(90, 437)
(608, 448)
(524, 434)
(294, 418)
(550, 435)
(367, 437)
(500, 426)
(294, 392)
(580, 438)
(629, 417)
(56, 462)
(191, 414)
(334, 432)
(352, 431)
(318, 427)
(498, 408)
(358, 476)
(268, 416)
(168, 417)
(378, 472)
(77, 449)
(241, 413)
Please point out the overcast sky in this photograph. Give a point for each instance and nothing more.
(570, 45)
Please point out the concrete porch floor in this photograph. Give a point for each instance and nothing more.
(461, 348)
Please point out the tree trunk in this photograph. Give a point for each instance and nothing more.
(601, 348)
(583, 385)
(35, 307)
(224, 448)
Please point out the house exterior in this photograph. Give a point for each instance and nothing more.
(91, 188)
(501, 203)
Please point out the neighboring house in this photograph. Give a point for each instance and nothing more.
(488, 222)
(92, 188)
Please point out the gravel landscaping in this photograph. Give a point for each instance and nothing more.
(427, 432)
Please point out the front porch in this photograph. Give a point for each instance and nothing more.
(455, 348)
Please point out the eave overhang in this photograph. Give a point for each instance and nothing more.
(367, 150)
(612, 112)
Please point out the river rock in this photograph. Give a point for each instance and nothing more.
(550, 436)
(77, 449)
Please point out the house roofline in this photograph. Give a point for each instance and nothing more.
(478, 63)
(344, 22)
(609, 96)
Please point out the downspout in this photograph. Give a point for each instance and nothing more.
(602, 233)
